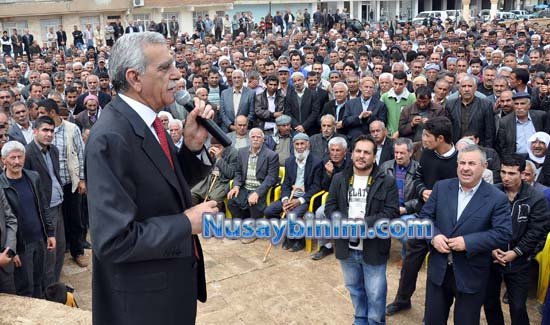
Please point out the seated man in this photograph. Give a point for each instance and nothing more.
(239, 137)
(217, 183)
(319, 142)
(280, 142)
(303, 174)
(257, 171)
(336, 161)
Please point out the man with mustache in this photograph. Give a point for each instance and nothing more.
(303, 174)
(364, 192)
(515, 129)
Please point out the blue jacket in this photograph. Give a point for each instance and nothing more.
(485, 225)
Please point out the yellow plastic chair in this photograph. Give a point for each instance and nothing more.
(316, 201)
(543, 258)
(227, 212)
(274, 193)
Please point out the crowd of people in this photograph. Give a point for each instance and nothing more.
(394, 121)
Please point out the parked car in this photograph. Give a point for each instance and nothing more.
(520, 13)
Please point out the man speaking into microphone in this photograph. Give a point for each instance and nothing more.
(147, 261)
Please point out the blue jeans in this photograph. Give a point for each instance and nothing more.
(367, 287)
(403, 239)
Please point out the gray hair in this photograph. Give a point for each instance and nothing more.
(176, 121)
(340, 84)
(472, 148)
(329, 117)
(167, 114)
(338, 141)
(404, 141)
(297, 74)
(239, 71)
(386, 75)
(508, 69)
(531, 164)
(12, 146)
(255, 130)
(127, 53)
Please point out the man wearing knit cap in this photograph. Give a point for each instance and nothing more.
(280, 141)
(303, 180)
(86, 119)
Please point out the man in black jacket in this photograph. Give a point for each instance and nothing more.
(363, 192)
(530, 221)
(61, 38)
(469, 112)
(43, 157)
(269, 105)
(35, 228)
(302, 105)
(438, 161)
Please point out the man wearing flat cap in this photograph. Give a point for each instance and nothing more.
(302, 180)
(281, 140)
(515, 129)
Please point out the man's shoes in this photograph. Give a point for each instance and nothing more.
(248, 240)
(286, 243)
(298, 246)
(396, 307)
(81, 260)
(322, 253)
(86, 245)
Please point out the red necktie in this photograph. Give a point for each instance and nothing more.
(161, 133)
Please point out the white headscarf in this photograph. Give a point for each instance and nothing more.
(541, 136)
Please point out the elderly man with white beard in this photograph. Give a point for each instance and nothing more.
(303, 178)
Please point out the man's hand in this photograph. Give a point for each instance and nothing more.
(51, 243)
(81, 187)
(329, 167)
(194, 134)
(290, 204)
(300, 129)
(234, 192)
(253, 198)
(17, 261)
(439, 242)
(426, 195)
(194, 214)
(339, 125)
(215, 152)
(509, 256)
(365, 114)
(496, 106)
(402, 211)
(416, 120)
(4, 258)
(498, 255)
(277, 114)
(457, 244)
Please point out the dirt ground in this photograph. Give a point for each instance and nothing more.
(289, 289)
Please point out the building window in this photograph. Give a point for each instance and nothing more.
(196, 15)
(168, 16)
(19, 25)
(93, 21)
(220, 13)
(142, 18)
(45, 25)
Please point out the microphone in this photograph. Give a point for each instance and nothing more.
(184, 99)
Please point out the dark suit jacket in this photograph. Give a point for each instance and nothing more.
(61, 37)
(355, 126)
(267, 170)
(305, 114)
(330, 108)
(506, 135)
(145, 270)
(134, 29)
(83, 120)
(27, 41)
(262, 108)
(34, 160)
(104, 99)
(387, 151)
(246, 106)
(485, 225)
(482, 120)
(163, 29)
(14, 133)
(312, 176)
